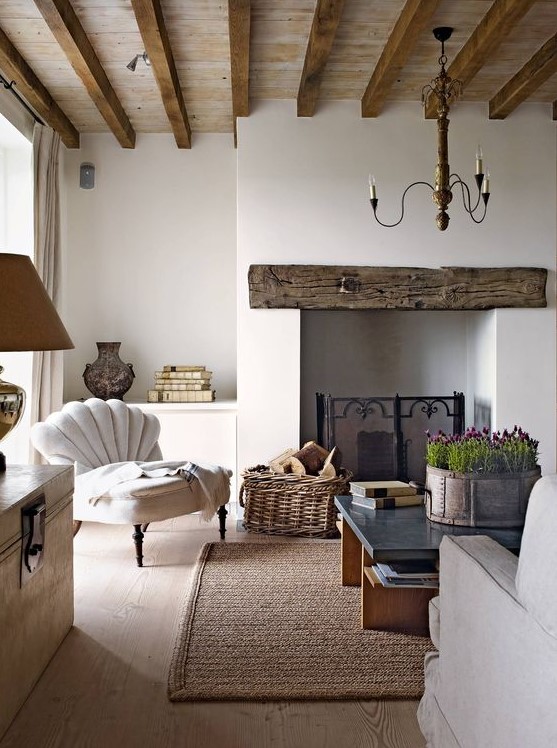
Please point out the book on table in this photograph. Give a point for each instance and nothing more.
(387, 502)
(382, 488)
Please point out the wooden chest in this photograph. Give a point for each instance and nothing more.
(36, 603)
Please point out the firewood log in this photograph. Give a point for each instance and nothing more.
(312, 456)
(281, 464)
(328, 470)
(296, 466)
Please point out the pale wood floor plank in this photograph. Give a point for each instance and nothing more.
(106, 686)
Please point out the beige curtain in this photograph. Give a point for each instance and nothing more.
(46, 395)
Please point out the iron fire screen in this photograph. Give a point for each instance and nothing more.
(384, 438)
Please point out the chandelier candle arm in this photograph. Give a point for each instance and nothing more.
(374, 202)
(467, 200)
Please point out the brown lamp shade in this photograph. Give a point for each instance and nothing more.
(28, 319)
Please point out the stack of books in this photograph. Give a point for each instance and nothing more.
(384, 494)
(410, 573)
(182, 384)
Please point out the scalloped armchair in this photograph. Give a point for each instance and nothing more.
(120, 475)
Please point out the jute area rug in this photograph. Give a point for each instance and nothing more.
(271, 621)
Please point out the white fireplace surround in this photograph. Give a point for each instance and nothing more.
(305, 202)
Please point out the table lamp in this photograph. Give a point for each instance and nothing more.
(28, 322)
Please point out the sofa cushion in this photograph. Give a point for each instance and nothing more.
(434, 620)
(535, 579)
(432, 721)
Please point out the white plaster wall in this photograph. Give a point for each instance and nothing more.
(481, 364)
(150, 257)
(525, 385)
(303, 198)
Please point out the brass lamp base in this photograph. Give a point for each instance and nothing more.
(12, 405)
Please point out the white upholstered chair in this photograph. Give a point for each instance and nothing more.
(120, 475)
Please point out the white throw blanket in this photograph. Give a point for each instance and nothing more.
(214, 480)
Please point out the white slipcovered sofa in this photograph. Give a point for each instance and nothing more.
(493, 681)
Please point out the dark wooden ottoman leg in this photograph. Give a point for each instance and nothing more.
(222, 521)
(138, 540)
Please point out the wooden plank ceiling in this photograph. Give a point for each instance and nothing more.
(210, 58)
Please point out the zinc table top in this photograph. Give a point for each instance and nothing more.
(405, 532)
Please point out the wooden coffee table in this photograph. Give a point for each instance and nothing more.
(369, 536)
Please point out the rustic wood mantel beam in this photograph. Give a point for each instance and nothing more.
(359, 287)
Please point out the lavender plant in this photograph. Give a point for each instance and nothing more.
(479, 452)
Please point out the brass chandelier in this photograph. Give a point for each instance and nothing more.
(446, 91)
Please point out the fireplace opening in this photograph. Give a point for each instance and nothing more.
(387, 359)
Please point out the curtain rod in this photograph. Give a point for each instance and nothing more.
(10, 87)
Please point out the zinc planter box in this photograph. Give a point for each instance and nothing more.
(478, 500)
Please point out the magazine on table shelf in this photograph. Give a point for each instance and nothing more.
(412, 568)
(419, 573)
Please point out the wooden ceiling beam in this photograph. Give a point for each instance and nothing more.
(152, 27)
(529, 78)
(321, 37)
(412, 20)
(499, 20)
(70, 35)
(35, 93)
(239, 21)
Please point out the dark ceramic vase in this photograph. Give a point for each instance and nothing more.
(108, 377)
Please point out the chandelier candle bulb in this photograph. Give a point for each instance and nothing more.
(372, 189)
(485, 185)
(479, 161)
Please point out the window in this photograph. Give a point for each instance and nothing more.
(16, 235)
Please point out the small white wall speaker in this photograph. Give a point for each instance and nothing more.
(87, 176)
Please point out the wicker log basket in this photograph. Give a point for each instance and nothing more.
(291, 504)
